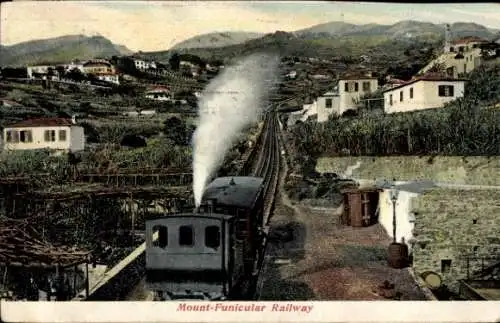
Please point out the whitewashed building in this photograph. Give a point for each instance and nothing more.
(292, 75)
(108, 77)
(41, 70)
(459, 57)
(351, 89)
(144, 65)
(159, 94)
(328, 104)
(405, 217)
(426, 92)
(45, 133)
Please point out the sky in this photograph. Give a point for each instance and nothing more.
(158, 25)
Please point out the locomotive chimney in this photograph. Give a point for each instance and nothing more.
(210, 205)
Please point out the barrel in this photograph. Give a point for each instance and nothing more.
(397, 255)
(431, 279)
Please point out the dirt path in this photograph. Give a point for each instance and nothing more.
(311, 256)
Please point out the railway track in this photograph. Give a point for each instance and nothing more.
(268, 162)
(267, 166)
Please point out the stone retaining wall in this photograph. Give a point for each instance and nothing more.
(449, 224)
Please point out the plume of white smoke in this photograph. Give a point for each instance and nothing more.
(232, 101)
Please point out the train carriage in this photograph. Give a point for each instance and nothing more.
(211, 253)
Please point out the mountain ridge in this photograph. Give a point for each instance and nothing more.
(216, 39)
(325, 36)
(63, 48)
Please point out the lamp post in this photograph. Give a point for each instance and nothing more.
(394, 197)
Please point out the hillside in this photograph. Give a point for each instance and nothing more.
(216, 39)
(306, 45)
(339, 39)
(402, 29)
(60, 49)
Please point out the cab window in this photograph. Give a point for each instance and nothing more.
(212, 236)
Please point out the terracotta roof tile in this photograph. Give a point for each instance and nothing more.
(436, 77)
(469, 39)
(43, 122)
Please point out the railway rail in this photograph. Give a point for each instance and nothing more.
(265, 164)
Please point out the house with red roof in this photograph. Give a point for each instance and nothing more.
(460, 57)
(159, 93)
(59, 134)
(465, 44)
(430, 91)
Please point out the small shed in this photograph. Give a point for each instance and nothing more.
(360, 207)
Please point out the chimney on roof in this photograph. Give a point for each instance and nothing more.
(73, 119)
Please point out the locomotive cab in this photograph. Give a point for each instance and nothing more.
(189, 256)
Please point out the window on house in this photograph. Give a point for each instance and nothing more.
(474, 46)
(25, 136)
(461, 49)
(12, 136)
(162, 240)
(356, 87)
(366, 87)
(346, 86)
(465, 68)
(50, 135)
(328, 103)
(411, 93)
(401, 96)
(62, 135)
(452, 49)
(186, 235)
(212, 236)
(445, 90)
(445, 266)
(390, 99)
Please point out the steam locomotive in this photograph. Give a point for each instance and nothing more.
(212, 253)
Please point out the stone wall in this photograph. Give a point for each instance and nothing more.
(441, 224)
(451, 169)
(451, 224)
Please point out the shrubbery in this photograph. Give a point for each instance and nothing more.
(468, 126)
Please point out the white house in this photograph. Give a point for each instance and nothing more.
(426, 92)
(351, 89)
(292, 75)
(73, 66)
(144, 65)
(52, 133)
(188, 64)
(327, 104)
(464, 44)
(42, 70)
(459, 57)
(159, 94)
(307, 111)
(108, 77)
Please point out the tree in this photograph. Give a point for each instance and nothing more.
(60, 71)
(175, 62)
(76, 75)
(176, 130)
